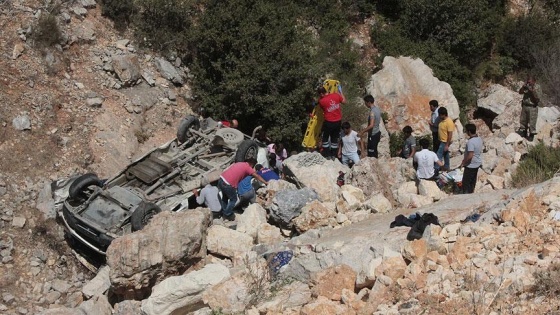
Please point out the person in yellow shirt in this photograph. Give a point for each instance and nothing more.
(445, 134)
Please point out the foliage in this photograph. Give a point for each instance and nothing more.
(120, 11)
(396, 142)
(254, 63)
(46, 32)
(523, 36)
(463, 28)
(496, 68)
(164, 24)
(259, 62)
(539, 165)
(385, 117)
(547, 65)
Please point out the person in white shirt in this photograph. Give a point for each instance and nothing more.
(208, 196)
(425, 160)
(348, 145)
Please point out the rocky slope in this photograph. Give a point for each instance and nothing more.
(95, 102)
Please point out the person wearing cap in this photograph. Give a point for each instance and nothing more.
(208, 196)
(229, 181)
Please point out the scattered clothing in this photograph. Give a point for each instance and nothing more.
(279, 260)
(471, 218)
(340, 179)
(418, 224)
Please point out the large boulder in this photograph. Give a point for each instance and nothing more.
(251, 219)
(288, 204)
(314, 171)
(503, 106)
(331, 281)
(291, 295)
(547, 115)
(127, 69)
(168, 245)
(313, 215)
(183, 294)
(403, 89)
(227, 242)
(168, 71)
(99, 284)
(98, 305)
(374, 176)
(496, 99)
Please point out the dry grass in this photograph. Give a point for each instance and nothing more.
(547, 282)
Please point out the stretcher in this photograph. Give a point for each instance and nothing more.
(312, 136)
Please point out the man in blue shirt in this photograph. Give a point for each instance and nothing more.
(247, 187)
(266, 173)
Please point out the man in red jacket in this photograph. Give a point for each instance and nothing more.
(330, 103)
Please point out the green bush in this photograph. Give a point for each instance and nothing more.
(464, 28)
(521, 37)
(539, 165)
(120, 11)
(260, 62)
(396, 142)
(164, 25)
(46, 32)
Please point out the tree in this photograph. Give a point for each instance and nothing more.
(253, 61)
(465, 28)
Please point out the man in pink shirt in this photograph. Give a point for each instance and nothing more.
(228, 182)
(330, 103)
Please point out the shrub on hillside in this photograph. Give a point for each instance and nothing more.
(522, 37)
(164, 25)
(260, 62)
(46, 32)
(396, 142)
(539, 165)
(464, 28)
(120, 11)
(547, 65)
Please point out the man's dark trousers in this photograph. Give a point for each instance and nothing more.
(373, 142)
(469, 179)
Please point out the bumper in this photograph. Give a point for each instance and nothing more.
(96, 241)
